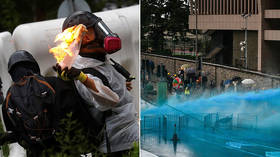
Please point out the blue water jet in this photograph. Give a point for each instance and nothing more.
(264, 103)
(242, 123)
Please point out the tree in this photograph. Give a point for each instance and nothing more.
(177, 12)
(74, 139)
(153, 22)
(161, 16)
(16, 12)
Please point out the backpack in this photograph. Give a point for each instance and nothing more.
(28, 104)
(93, 115)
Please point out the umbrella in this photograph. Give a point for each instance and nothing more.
(177, 82)
(190, 70)
(248, 81)
(184, 66)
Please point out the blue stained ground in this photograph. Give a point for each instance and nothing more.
(230, 124)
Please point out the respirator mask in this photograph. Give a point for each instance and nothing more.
(110, 41)
(105, 38)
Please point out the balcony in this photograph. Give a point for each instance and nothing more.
(272, 35)
(223, 22)
(272, 14)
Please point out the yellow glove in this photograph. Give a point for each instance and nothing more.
(82, 77)
(76, 74)
(63, 76)
(60, 73)
(70, 74)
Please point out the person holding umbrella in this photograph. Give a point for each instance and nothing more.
(248, 84)
(177, 85)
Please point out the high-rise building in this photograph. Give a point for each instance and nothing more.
(225, 21)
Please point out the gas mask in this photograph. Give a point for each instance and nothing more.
(110, 41)
(105, 38)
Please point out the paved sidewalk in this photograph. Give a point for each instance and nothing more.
(147, 154)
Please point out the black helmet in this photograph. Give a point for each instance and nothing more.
(22, 56)
(80, 17)
(105, 38)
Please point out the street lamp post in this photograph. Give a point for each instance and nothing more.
(196, 34)
(198, 60)
(245, 16)
(173, 41)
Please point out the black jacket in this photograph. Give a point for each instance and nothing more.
(66, 100)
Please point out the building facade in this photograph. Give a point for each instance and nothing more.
(225, 20)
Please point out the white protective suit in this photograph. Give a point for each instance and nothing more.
(122, 126)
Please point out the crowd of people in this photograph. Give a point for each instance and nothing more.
(189, 81)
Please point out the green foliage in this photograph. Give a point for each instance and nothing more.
(162, 18)
(73, 140)
(134, 152)
(177, 12)
(5, 147)
(9, 16)
(153, 22)
(16, 12)
(165, 52)
(6, 150)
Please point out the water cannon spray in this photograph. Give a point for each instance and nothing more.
(123, 71)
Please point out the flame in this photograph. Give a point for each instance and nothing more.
(66, 38)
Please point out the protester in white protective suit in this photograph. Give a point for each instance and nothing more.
(121, 123)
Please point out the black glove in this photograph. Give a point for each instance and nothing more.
(70, 74)
(77, 74)
(57, 68)
(61, 73)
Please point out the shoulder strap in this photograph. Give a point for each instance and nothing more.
(98, 74)
(18, 129)
(105, 81)
(9, 111)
